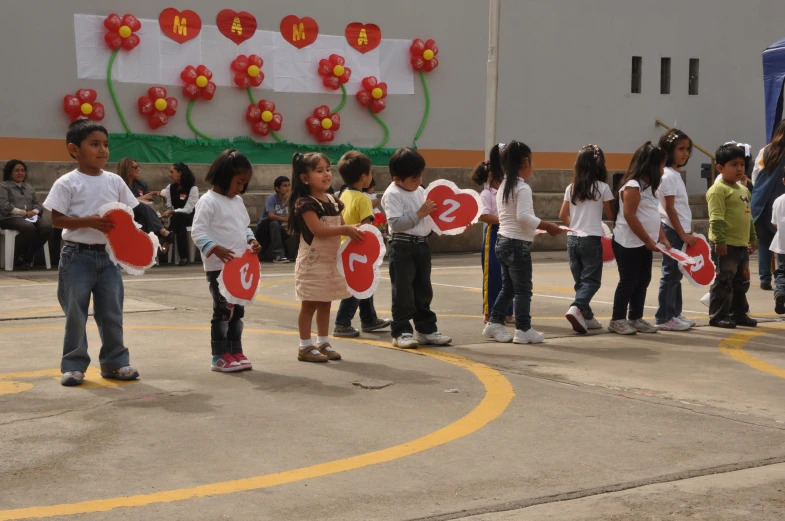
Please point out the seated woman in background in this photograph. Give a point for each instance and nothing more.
(180, 199)
(20, 211)
(144, 213)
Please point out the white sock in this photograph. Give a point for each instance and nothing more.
(321, 340)
(305, 344)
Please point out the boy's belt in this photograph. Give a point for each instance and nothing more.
(404, 237)
(85, 247)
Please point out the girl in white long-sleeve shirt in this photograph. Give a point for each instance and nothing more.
(180, 199)
(517, 228)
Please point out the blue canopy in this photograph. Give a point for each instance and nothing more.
(773, 80)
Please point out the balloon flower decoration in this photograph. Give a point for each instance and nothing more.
(121, 34)
(157, 107)
(83, 105)
(424, 60)
(372, 96)
(264, 119)
(197, 85)
(322, 125)
(247, 75)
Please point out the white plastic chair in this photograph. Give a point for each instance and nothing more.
(191, 249)
(7, 246)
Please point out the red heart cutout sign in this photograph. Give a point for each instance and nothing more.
(300, 32)
(359, 262)
(455, 208)
(128, 246)
(180, 26)
(238, 27)
(364, 38)
(702, 272)
(239, 279)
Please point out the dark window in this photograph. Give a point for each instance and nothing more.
(694, 73)
(637, 74)
(665, 76)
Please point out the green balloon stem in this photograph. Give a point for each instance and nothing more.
(343, 100)
(250, 96)
(191, 123)
(384, 126)
(427, 108)
(275, 135)
(112, 93)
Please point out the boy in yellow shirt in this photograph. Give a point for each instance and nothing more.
(355, 170)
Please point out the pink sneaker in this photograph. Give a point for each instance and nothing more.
(226, 363)
(243, 361)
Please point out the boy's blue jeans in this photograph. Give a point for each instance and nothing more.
(516, 262)
(585, 255)
(80, 274)
(348, 308)
(779, 276)
(670, 299)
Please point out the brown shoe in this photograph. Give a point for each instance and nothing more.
(311, 355)
(331, 354)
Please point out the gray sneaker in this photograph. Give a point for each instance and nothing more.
(72, 378)
(125, 374)
(280, 259)
(641, 326)
(379, 323)
(621, 327)
(345, 331)
(593, 323)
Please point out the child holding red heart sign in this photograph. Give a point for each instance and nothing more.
(220, 231)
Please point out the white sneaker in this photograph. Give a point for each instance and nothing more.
(497, 332)
(528, 337)
(682, 318)
(674, 324)
(434, 339)
(641, 326)
(405, 341)
(705, 299)
(575, 317)
(621, 327)
(593, 323)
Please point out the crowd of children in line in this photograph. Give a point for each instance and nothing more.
(651, 207)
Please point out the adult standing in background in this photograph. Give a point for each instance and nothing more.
(20, 211)
(180, 199)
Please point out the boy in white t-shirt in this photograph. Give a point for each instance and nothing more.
(85, 267)
(778, 247)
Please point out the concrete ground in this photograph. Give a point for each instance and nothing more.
(667, 426)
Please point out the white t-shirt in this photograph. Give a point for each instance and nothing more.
(220, 221)
(778, 219)
(648, 214)
(586, 216)
(672, 184)
(401, 205)
(81, 195)
(488, 197)
(516, 216)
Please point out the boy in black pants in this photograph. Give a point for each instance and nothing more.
(410, 256)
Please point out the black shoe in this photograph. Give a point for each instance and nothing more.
(779, 306)
(766, 286)
(724, 323)
(182, 262)
(745, 321)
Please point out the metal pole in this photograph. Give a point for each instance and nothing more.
(492, 85)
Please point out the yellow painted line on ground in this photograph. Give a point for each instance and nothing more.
(31, 312)
(498, 395)
(733, 346)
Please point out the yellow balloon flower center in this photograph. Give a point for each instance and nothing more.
(267, 116)
(428, 54)
(86, 109)
(327, 123)
(253, 71)
(377, 93)
(202, 81)
(160, 104)
(338, 70)
(125, 31)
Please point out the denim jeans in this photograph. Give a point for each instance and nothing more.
(670, 302)
(226, 327)
(348, 308)
(729, 291)
(779, 276)
(634, 277)
(515, 258)
(765, 236)
(80, 274)
(412, 293)
(585, 255)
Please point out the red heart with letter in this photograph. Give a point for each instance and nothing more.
(455, 208)
(130, 247)
(359, 262)
(300, 32)
(702, 272)
(364, 38)
(180, 26)
(238, 27)
(239, 279)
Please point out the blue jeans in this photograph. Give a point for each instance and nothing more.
(765, 236)
(585, 255)
(81, 273)
(348, 308)
(779, 276)
(516, 263)
(670, 302)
